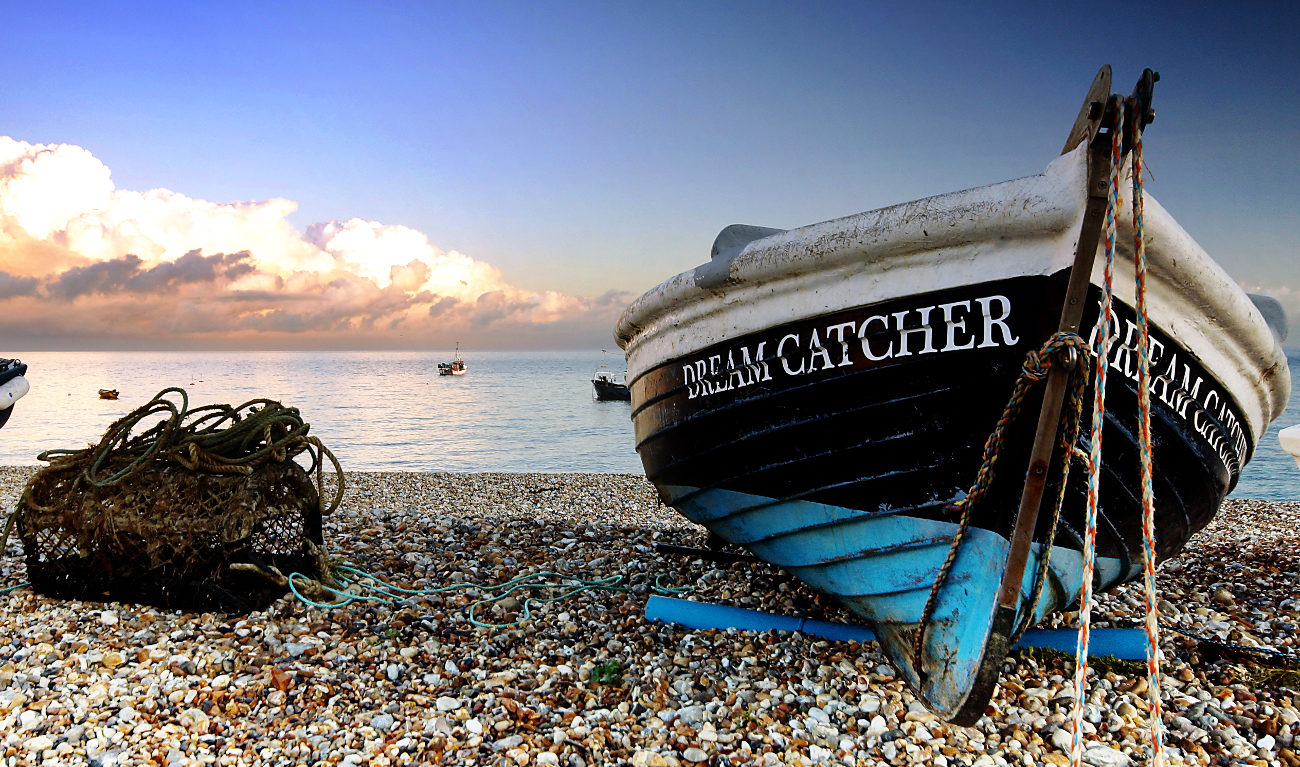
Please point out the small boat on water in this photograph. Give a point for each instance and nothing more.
(13, 386)
(454, 368)
(823, 396)
(608, 385)
(108, 393)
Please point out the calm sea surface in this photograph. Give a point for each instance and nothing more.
(376, 411)
(390, 411)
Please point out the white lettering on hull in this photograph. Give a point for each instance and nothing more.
(1194, 399)
(935, 329)
(701, 378)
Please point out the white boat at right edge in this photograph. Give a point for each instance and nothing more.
(1290, 439)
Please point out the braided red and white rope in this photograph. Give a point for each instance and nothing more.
(1102, 348)
(1144, 445)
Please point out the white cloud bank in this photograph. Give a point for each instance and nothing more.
(84, 263)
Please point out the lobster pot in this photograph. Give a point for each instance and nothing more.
(172, 537)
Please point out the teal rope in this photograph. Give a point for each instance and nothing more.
(386, 593)
(660, 588)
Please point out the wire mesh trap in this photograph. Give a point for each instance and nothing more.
(205, 510)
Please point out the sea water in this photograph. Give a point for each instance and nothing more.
(1272, 474)
(391, 411)
(376, 411)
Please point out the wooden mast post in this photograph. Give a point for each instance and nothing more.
(1100, 110)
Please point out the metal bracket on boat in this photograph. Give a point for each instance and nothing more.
(1098, 110)
(1097, 125)
(1088, 123)
(1138, 109)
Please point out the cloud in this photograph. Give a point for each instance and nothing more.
(11, 286)
(125, 275)
(103, 277)
(83, 260)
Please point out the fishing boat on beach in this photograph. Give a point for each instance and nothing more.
(842, 400)
(454, 368)
(13, 386)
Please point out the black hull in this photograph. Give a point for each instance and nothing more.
(815, 418)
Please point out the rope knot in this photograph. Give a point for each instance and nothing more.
(1063, 348)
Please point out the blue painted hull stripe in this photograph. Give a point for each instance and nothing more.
(882, 566)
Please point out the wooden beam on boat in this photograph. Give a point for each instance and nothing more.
(1099, 170)
(1138, 108)
(1049, 417)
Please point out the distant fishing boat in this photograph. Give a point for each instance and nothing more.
(13, 386)
(608, 385)
(108, 393)
(454, 368)
(822, 397)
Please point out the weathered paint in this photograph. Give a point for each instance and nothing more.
(882, 566)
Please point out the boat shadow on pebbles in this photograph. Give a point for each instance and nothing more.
(588, 680)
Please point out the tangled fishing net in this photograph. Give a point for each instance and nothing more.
(205, 510)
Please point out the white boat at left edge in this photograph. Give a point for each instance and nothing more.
(13, 386)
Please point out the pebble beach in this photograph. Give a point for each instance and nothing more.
(586, 680)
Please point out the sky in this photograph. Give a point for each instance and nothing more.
(405, 175)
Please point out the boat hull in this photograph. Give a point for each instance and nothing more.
(1290, 440)
(833, 447)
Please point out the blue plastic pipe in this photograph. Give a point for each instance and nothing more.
(1125, 644)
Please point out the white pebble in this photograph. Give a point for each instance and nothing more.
(447, 704)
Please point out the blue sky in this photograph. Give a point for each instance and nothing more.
(582, 148)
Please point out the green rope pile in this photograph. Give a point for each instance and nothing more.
(216, 438)
(225, 440)
(268, 431)
(360, 586)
